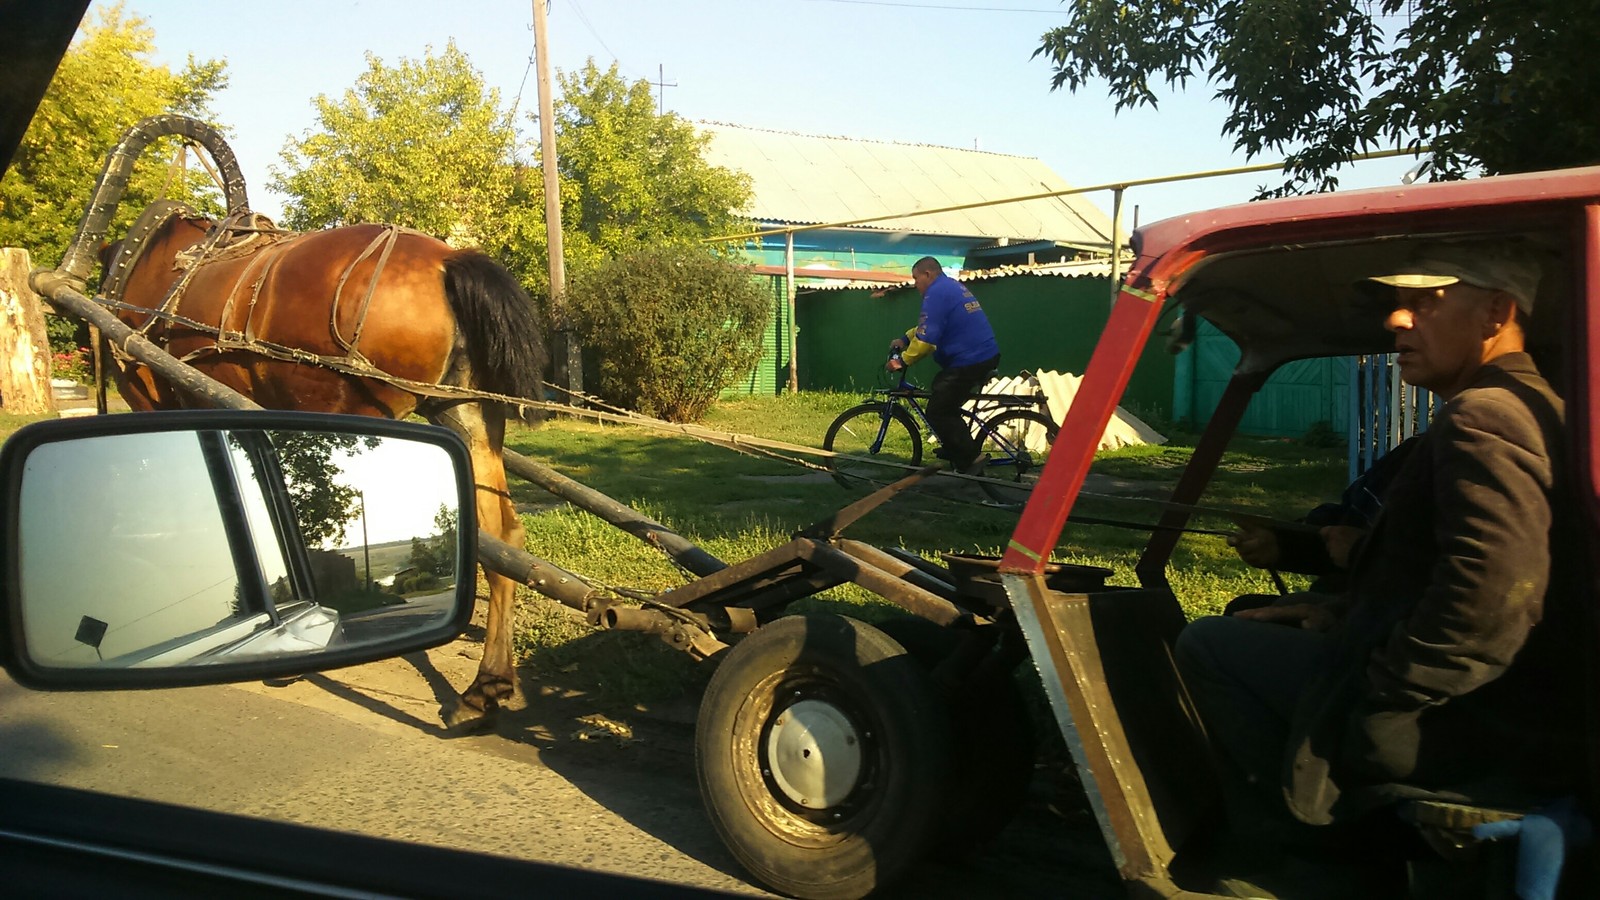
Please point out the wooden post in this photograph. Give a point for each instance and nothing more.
(568, 354)
(790, 332)
(24, 345)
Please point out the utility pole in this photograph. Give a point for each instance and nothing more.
(366, 546)
(568, 359)
(661, 89)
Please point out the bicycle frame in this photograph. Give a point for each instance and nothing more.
(909, 394)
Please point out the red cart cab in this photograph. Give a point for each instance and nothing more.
(1278, 278)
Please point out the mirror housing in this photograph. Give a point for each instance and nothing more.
(167, 549)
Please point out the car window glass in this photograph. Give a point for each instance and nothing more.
(255, 492)
(123, 546)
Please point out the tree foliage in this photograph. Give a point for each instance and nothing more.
(1498, 87)
(436, 553)
(671, 328)
(106, 83)
(631, 177)
(423, 144)
(323, 505)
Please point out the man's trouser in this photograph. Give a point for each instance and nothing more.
(1245, 678)
(951, 388)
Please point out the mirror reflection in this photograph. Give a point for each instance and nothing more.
(198, 547)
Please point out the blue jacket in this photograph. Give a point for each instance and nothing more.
(954, 323)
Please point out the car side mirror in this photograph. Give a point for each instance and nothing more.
(166, 549)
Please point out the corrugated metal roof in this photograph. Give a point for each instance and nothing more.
(802, 179)
(1088, 268)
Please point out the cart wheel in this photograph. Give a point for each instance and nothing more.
(821, 750)
(994, 744)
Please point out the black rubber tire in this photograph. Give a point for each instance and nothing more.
(994, 742)
(854, 432)
(899, 735)
(1013, 469)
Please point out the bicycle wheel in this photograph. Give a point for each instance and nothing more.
(872, 430)
(1013, 467)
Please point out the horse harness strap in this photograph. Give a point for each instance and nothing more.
(219, 241)
(591, 407)
(223, 242)
(386, 239)
(136, 242)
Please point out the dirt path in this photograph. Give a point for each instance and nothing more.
(638, 763)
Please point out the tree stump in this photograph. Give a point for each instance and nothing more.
(24, 345)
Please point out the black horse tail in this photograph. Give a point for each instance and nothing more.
(496, 318)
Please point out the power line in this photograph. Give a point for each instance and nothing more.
(576, 8)
(589, 26)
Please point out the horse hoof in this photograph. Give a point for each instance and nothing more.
(464, 720)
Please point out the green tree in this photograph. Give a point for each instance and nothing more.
(423, 144)
(1497, 87)
(106, 83)
(631, 177)
(671, 326)
(323, 505)
(436, 554)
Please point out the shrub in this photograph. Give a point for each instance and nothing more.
(669, 328)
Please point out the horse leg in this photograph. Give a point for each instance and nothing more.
(137, 385)
(484, 432)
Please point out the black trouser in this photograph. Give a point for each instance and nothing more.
(951, 388)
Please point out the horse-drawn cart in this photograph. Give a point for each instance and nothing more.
(833, 754)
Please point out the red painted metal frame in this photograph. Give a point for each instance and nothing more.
(1169, 249)
(1104, 379)
(1354, 214)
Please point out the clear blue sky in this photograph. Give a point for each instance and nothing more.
(948, 72)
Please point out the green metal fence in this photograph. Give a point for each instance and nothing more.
(1041, 321)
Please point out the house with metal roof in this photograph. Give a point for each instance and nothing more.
(866, 210)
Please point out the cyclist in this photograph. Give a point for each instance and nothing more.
(954, 327)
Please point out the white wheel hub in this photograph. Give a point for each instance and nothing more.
(815, 754)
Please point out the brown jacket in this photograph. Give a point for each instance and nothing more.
(1452, 669)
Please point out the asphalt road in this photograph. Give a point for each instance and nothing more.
(557, 782)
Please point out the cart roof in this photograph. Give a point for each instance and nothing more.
(1279, 276)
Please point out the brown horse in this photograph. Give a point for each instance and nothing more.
(403, 302)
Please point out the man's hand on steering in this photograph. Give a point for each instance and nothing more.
(1257, 546)
(1340, 541)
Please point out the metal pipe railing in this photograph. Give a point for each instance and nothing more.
(1045, 195)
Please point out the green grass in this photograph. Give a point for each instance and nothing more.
(10, 423)
(736, 506)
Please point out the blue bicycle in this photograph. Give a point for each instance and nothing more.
(892, 427)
